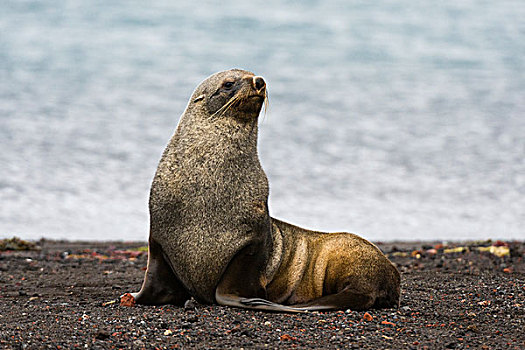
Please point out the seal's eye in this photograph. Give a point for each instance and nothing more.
(228, 84)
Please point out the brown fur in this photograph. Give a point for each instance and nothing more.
(314, 265)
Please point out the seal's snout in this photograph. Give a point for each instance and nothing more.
(258, 83)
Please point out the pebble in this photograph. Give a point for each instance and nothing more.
(367, 317)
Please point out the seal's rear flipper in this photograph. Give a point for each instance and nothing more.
(160, 286)
(346, 299)
(253, 303)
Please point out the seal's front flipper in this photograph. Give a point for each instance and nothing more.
(242, 284)
(160, 286)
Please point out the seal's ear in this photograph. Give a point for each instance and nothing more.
(199, 98)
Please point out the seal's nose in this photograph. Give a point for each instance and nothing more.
(258, 83)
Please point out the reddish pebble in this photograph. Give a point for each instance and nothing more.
(367, 317)
(388, 323)
(127, 300)
(287, 337)
(507, 270)
(415, 253)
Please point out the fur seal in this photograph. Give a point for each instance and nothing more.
(211, 235)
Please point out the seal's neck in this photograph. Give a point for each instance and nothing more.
(224, 135)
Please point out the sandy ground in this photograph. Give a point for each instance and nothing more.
(66, 295)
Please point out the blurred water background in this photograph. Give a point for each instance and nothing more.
(398, 120)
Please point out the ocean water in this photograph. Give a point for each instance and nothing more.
(391, 119)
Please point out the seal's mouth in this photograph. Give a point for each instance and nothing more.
(257, 97)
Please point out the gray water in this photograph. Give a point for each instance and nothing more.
(391, 119)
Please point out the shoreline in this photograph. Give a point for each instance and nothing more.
(65, 294)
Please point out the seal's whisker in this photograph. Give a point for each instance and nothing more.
(266, 102)
(230, 104)
(219, 111)
(241, 96)
(226, 106)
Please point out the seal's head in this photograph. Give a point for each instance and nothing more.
(233, 93)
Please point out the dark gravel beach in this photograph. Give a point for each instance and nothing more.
(66, 295)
